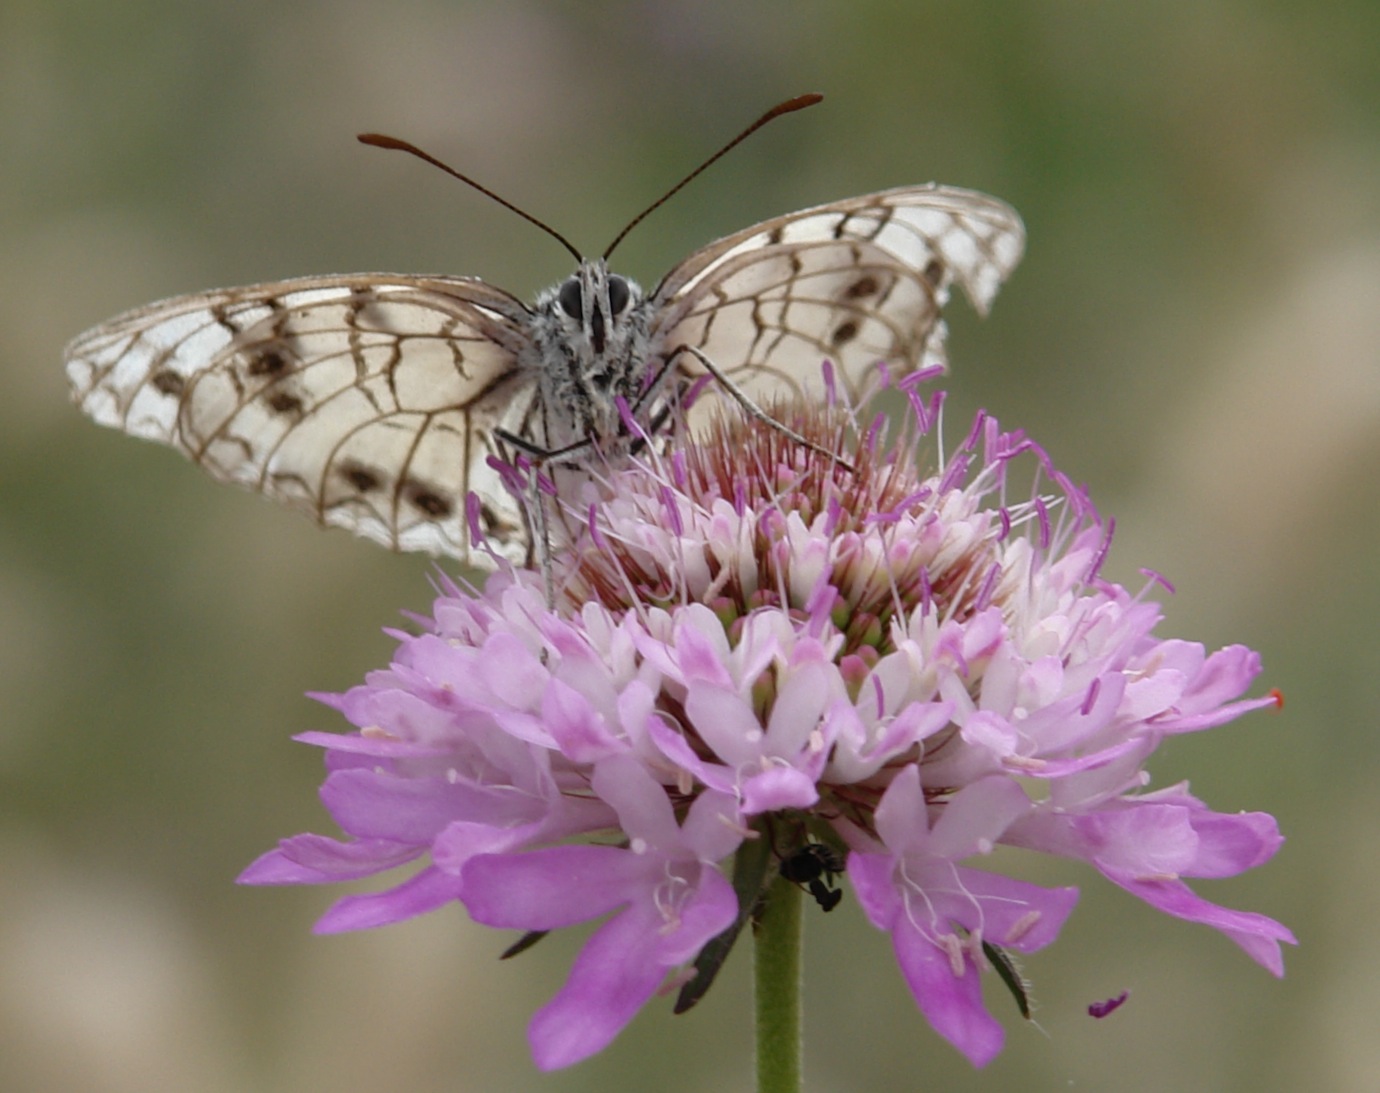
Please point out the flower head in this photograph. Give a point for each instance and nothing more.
(756, 640)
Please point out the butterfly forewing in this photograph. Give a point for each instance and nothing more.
(856, 281)
(368, 401)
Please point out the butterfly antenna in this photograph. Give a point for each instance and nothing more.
(378, 140)
(787, 107)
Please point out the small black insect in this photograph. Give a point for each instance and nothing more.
(814, 866)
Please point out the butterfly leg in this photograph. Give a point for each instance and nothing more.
(540, 455)
(534, 508)
(541, 536)
(550, 476)
(751, 408)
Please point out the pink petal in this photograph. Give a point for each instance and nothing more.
(951, 1003)
(316, 859)
(425, 892)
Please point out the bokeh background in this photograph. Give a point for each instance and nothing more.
(1195, 333)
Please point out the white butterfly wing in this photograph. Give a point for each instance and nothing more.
(856, 281)
(368, 401)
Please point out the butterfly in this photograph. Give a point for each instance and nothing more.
(377, 402)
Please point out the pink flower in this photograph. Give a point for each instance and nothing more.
(666, 897)
(754, 641)
(938, 913)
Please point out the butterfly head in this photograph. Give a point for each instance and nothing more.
(592, 330)
(592, 308)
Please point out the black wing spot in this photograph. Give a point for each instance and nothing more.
(933, 272)
(360, 477)
(843, 333)
(776, 234)
(285, 402)
(269, 362)
(427, 499)
(361, 312)
(861, 288)
(494, 524)
(222, 316)
(168, 382)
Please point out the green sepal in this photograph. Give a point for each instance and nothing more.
(752, 873)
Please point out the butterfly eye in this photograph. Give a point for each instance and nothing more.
(618, 294)
(570, 299)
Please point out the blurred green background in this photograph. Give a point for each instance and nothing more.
(1195, 333)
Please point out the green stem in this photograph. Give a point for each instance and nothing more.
(777, 951)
